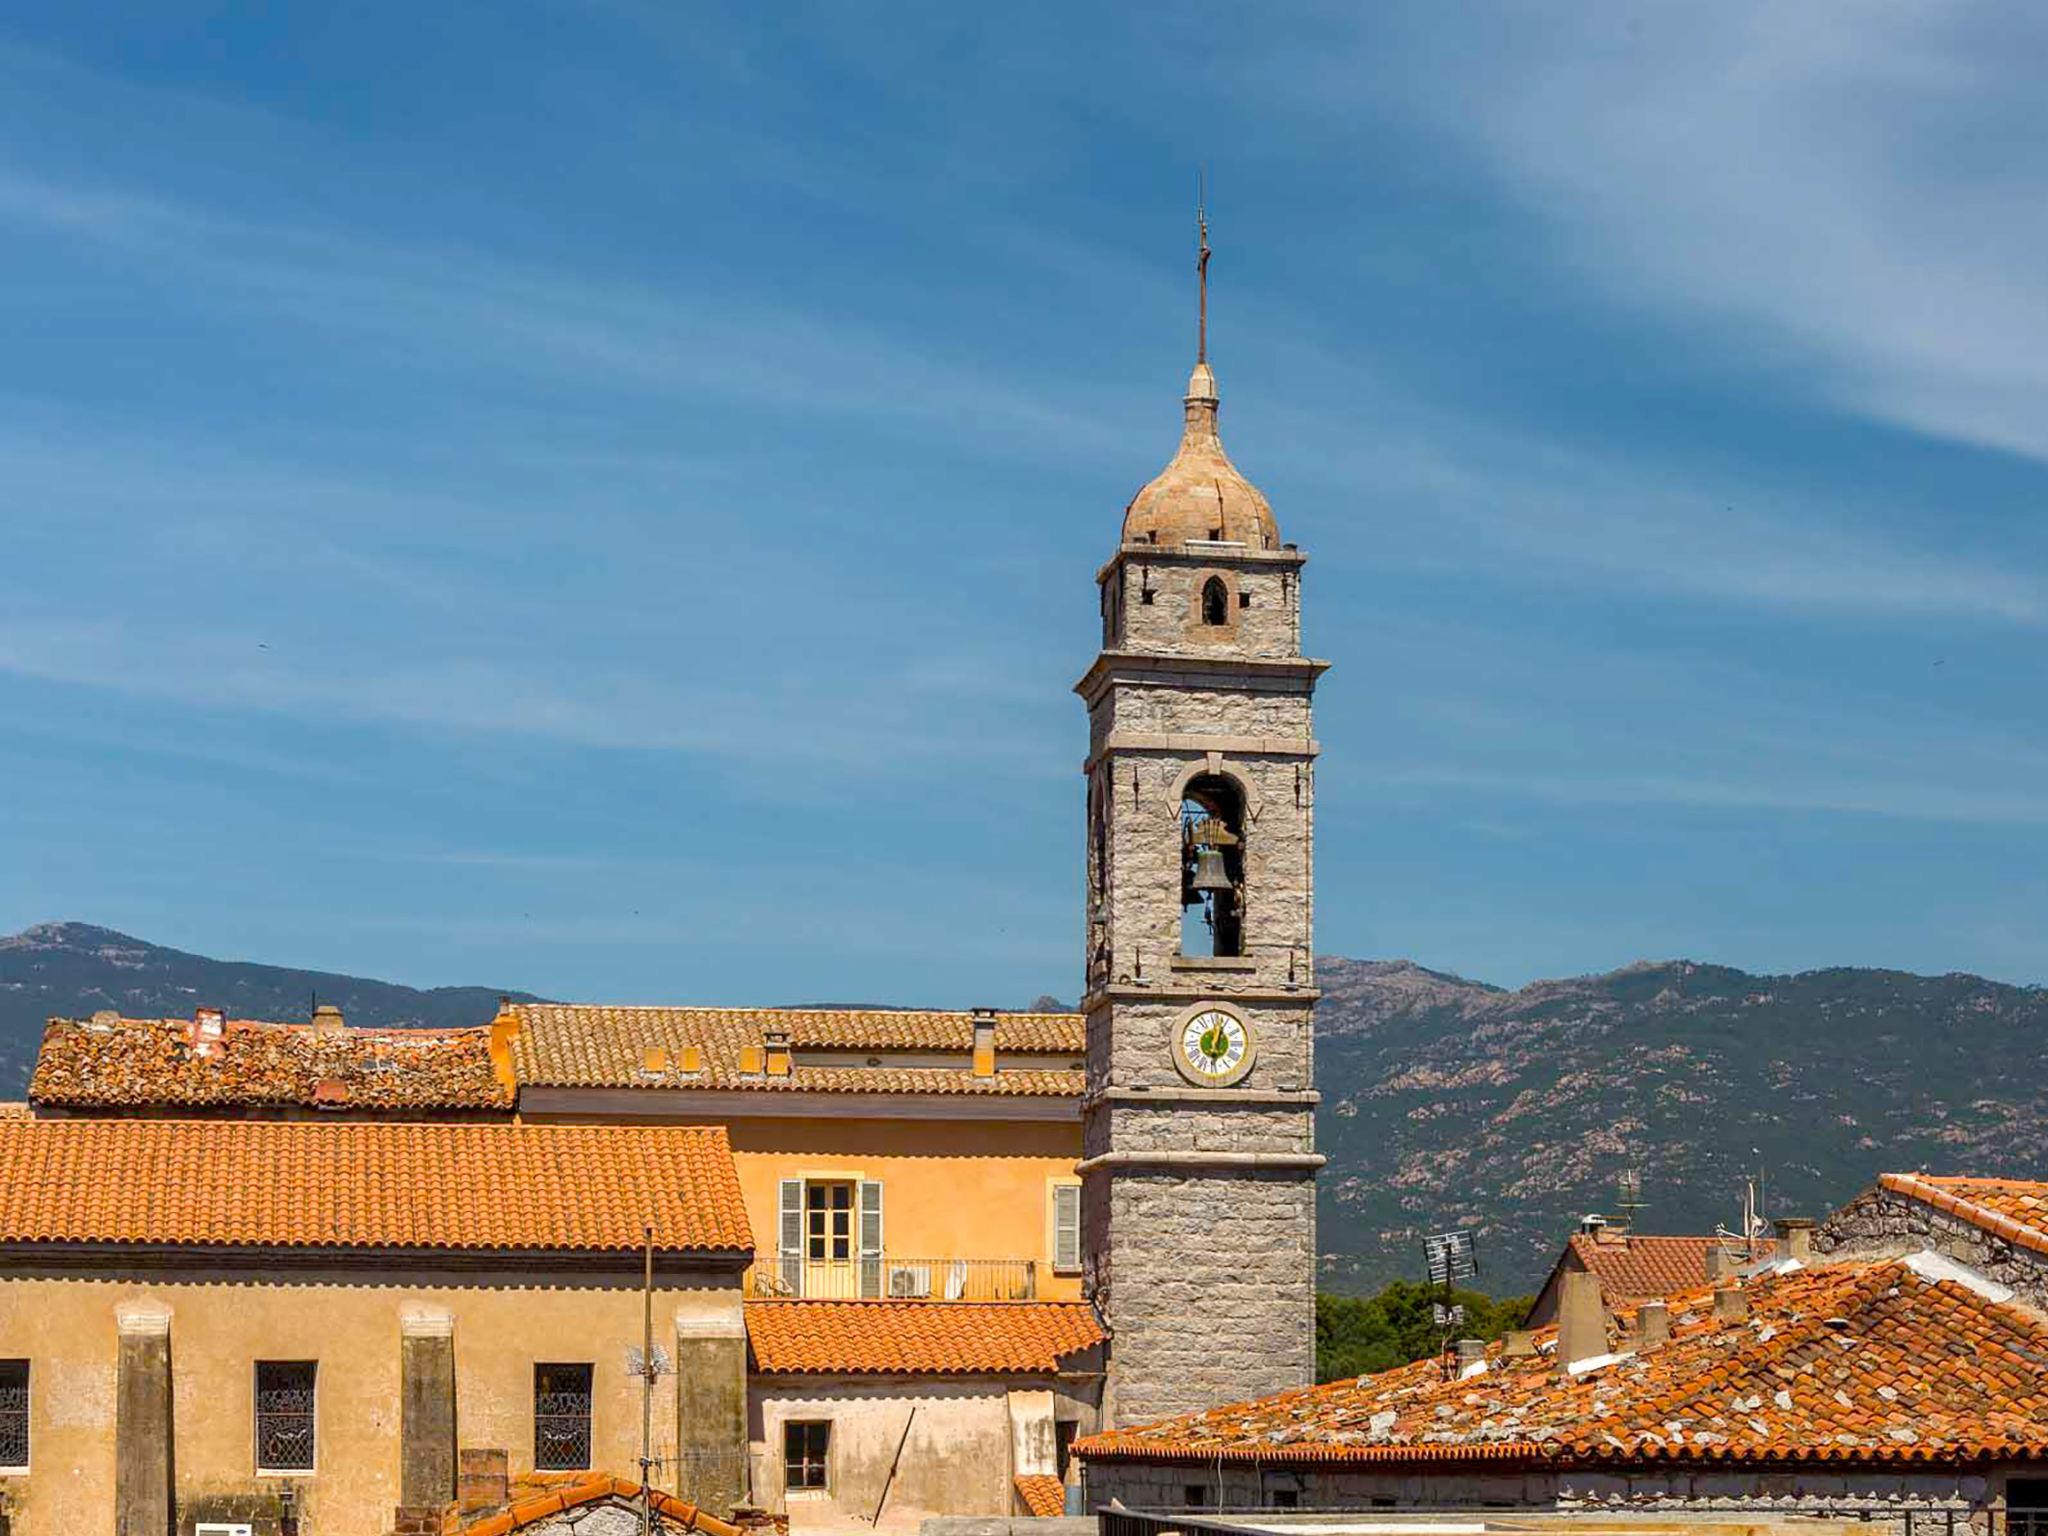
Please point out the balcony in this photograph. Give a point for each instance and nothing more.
(890, 1278)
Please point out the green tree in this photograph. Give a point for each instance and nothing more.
(1357, 1335)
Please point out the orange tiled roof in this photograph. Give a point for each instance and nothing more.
(559, 1045)
(369, 1184)
(2014, 1209)
(540, 1496)
(918, 1338)
(1864, 1362)
(1043, 1494)
(107, 1063)
(1634, 1268)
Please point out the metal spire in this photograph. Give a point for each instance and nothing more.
(1202, 263)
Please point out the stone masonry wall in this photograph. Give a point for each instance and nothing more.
(1883, 1222)
(1171, 622)
(1210, 1280)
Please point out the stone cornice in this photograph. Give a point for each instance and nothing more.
(1201, 553)
(1226, 668)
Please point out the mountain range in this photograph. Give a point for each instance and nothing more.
(1446, 1102)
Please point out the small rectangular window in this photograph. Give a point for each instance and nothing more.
(1066, 1227)
(561, 1417)
(1064, 1432)
(284, 1415)
(1286, 1498)
(1244, 599)
(1195, 1496)
(806, 1454)
(13, 1415)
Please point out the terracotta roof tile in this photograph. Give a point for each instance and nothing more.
(538, 1496)
(369, 1184)
(1863, 1362)
(2014, 1209)
(588, 1046)
(1635, 1267)
(1043, 1494)
(139, 1063)
(961, 1338)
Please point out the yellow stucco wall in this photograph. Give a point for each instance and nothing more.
(951, 1188)
(219, 1329)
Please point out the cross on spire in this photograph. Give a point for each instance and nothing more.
(1202, 266)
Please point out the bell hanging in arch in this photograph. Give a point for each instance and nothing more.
(1210, 878)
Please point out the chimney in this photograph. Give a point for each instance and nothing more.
(1653, 1324)
(1731, 1304)
(209, 1023)
(1581, 1319)
(777, 1036)
(750, 1060)
(482, 1481)
(690, 1059)
(327, 1020)
(1471, 1352)
(1520, 1344)
(984, 1042)
(1795, 1237)
(1717, 1263)
(653, 1060)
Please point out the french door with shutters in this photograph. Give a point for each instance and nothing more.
(830, 1238)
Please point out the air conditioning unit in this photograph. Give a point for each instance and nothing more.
(910, 1280)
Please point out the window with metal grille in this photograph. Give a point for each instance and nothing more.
(13, 1415)
(561, 1417)
(284, 1415)
(806, 1453)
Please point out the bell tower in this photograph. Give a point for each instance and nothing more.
(1199, 1158)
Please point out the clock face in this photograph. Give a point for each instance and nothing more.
(1213, 1048)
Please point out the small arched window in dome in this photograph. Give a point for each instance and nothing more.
(1215, 601)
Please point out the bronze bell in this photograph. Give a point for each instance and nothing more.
(1210, 875)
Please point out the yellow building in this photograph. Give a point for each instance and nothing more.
(913, 1334)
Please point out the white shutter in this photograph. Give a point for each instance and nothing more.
(1066, 1226)
(870, 1237)
(789, 1214)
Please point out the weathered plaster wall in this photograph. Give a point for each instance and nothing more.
(1883, 1222)
(219, 1328)
(956, 1461)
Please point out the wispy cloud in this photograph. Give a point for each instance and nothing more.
(1853, 182)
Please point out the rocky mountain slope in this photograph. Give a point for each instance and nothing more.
(75, 969)
(1448, 1102)
(1445, 1101)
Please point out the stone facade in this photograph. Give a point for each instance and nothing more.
(1883, 1222)
(1199, 1199)
(1975, 1495)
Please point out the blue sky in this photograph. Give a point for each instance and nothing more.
(603, 498)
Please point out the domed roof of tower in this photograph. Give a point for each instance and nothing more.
(1200, 495)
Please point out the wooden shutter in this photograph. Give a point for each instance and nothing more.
(870, 1237)
(1066, 1226)
(789, 1214)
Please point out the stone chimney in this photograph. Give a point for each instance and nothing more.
(1795, 1237)
(1717, 1263)
(984, 1042)
(327, 1020)
(1471, 1352)
(1653, 1324)
(1581, 1319)
(777, 1038)
(482, 1481)
(1731, 1304)
(1519, 1344)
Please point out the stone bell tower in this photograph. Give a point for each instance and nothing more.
(1199, 1158)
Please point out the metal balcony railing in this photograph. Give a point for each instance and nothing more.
(888, 1277)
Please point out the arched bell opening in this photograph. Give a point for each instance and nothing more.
(1215, 602)
(1212, 867)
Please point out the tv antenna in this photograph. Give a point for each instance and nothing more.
(1628, 1195)
(1451, 1257)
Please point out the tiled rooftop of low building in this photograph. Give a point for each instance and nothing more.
(1854, 1362)
(109, 1063)
(369, 1184)
(1634, 1267)
(2014, 1209)
(918, 1338)
(537, 1498)
(589, 1046)
(1042, 1494)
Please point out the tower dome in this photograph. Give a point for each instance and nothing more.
(1200, 495)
